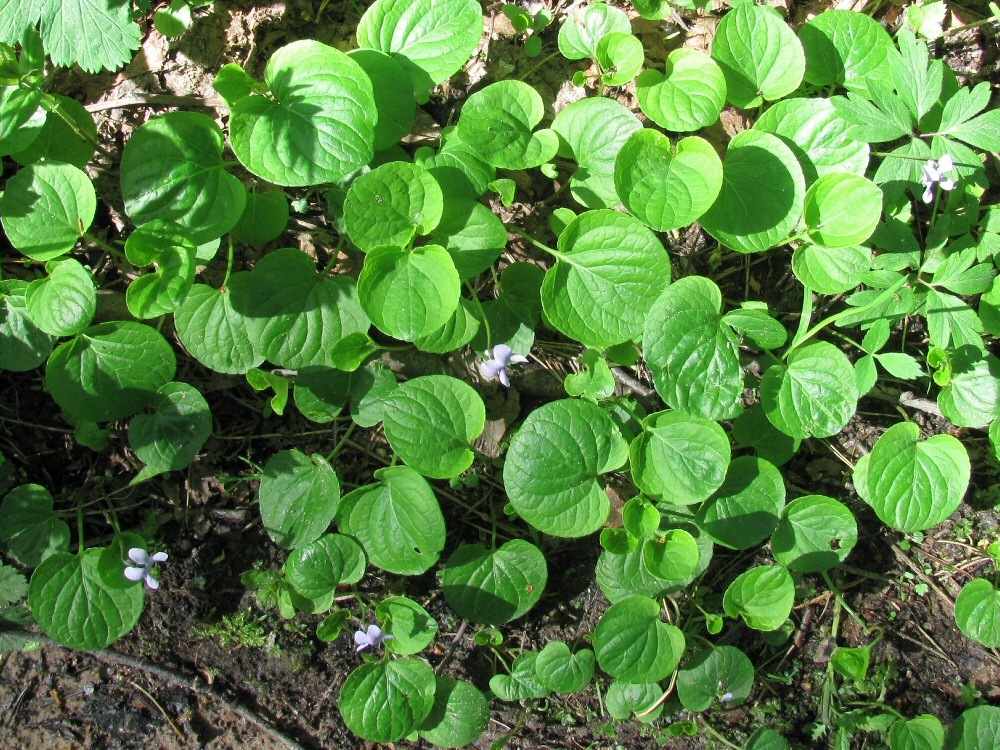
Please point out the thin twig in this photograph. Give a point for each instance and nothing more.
(177, 731)
(157, 100)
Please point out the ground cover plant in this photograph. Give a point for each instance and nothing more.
(861, 175)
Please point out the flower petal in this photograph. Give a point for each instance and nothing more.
(501, 353)
(159, 557)
(946, 163)
(504, 379)
(518, 358)
(947, 184)
(490, 369)
(135, 574)
(928, 194)
(151, 582)
(139, 556)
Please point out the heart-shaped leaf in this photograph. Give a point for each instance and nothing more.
(498, 122)
(688, 97)
(494, 587)
(299, 496)
(29, 526)
(170, 437)
(384, 701)
(745, 509)
(459, 716)
(815, 533)
(842, 209)
(392, 204)
(633, 645)
(64, 303)
(762, 596)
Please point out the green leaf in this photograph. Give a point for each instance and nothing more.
(75, 607)
(980, 132)
(371, 388)
(321, 393)
(692, 354)
(874, 124)
(459, 716)
(672, 556)
(585, 27)
(432, 39)
(759, 54)
(830, 271)
(316, 569)
(641, 570)
(667, 186)
(620, 55)
(458, 168)
(412, 628)
(610, 268)
(851, 663)
(172, 168)
(522, 683)
(494, 587)
(29, 527)
(498, 122)
(625, 700)
(214, 331)
(633, 645)
(46, 207)
(392, 204)
(814, 395)
(170, 437)
(842, 209)
(679, 459)
(756, 326)
(409, 294)
(13, 587)
(299, 496)
(762, 596)
(710, 675)
(911, 484)
(316, 126)
(431, 422)
(923, 732)
(918, 79)
(976, 728)
(168, 246)
(23, 345)
(688, 96)
(815, 533)
(844, 47)
(21, 118)
(554, 463)
(473, 235)
(977, 612)
(751, 429)
(384, 701)
(294, 315)
(596, 382)
(173, 20)
(592, 131)
(397, 519)
(745, 509)
(972, 397)
(562, 671)
(394, 97)
(746, 218)
(64, 303)
(57, 141)
(264, 218)
(110, 371)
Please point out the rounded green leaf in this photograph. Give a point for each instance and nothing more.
(170, 248)
(498, 122)
(398, 521)
(170, 437)
(214, 331)
(75, 607)
(392, 204)
(114, 559)
(818, 136)
(745, 509)
(721, 673)
(844, 47)
(762, 596)
(58, 141)
(975, 729)
(679, 459)
(412, 628)
(264, 218)
(459, 716)
(23, 345)
(494, 587)
(815, 533)
(972, 397)
(172, 168)
(759, 54)
(620, 55)
(923, 732)
(633, 645)
(610, 268)
(667, 186)
(384, 701)
(625, 700)
(585, 27)
(299, 496)
(640, 518)
(29, 526)
(46, 207)
(321, 393)
(409, 294)
(744, 217)
(688, 96)
(460, 329)
(473, 235)
(562, 671)
(632, 572)
(522, 683)
(592, 131)
(767, 739)
(694, 357)
(432, 39)
(977, 612)
(752, 430)
(393, 95)
(673, 556)
(829, 271)
(110, 371)
(554, 464)
(295, 315)
(431, 422)
(814, 395)
(63, 303)
(913, 484)
(842, 209)
(318, 568)
(317, 124)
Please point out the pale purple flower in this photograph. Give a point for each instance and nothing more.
(372, 637)
(934, 174)
(497, 363)
(143, 563)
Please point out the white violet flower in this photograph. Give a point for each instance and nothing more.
(934, 174)
(372, 637)
(497, 363)
(143, 563)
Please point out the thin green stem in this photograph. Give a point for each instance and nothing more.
(79, 530)
(540, 245)
(110, 249)
(840, 598)
(482, 314)
(804, 319)
(538, 67)
(343, 441)
(715, 734)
